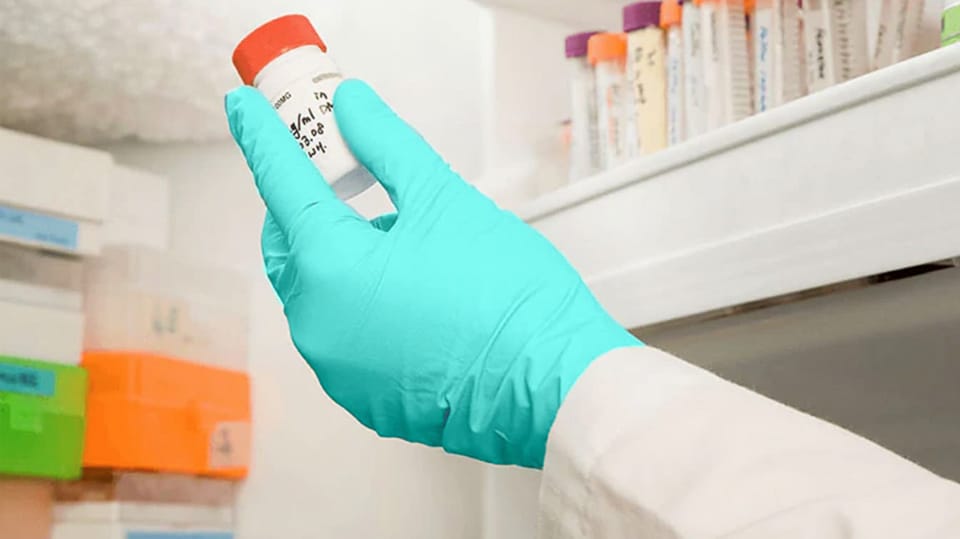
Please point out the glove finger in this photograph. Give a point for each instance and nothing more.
(404, 163)
(273, 245)
(293, 189)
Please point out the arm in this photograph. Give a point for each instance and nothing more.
(653, 445)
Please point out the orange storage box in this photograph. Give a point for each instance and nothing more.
(149, 412)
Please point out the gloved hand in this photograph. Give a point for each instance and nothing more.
(451, 323)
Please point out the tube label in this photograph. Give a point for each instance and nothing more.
(27, 380)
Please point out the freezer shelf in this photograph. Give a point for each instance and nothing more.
(856, 180)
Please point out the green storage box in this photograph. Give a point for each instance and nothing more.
(42, 411)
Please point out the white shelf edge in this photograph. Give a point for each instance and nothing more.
(858, 241)
(871, 86)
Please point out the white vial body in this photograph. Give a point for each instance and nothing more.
(585, 158)
(676, 120)
(301, 85)
(899, 26)
(818, 39)
(726, 66)
(695, 94)
(613, 112)
(848, 27)
(778, 72)
(647, 73)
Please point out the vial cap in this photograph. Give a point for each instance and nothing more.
(607, 47)
(577, 44)
(670, 14)
(271, 40)
(641, 15)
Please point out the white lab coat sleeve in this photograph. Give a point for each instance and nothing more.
(648, 446)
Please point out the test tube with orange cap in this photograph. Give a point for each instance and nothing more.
(607, 53)
(778, 74)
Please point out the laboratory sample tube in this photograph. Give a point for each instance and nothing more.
(818, 44)
(671, 20)
(647, 73)
(725, 62)
(778, 75)
(585, 158)
(950, 23)
(607, 53)
(898, 30)
(848, 25)
(695, 93)
(836, 34)
(288, 62)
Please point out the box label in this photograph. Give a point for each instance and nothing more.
(35, 227)
(179, 535)
(230, 445)
(27, 380)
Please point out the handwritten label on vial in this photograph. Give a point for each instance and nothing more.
(38, 228)
(230, 445)
(27, 380)
(178, 535)
(308, 126)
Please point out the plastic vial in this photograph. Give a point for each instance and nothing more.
(725, 64)
(695, 92)
(819, 46)
(899, 27)
(608, 54)
(848, 24)
(778, 75)
(671, 19)
(585, 158)
(647, 72)
(287, 61)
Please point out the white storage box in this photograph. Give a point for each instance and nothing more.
(41, 314)
(142, 300)
(86, 530)
(146, 487)
(52, 195)
(181, 516)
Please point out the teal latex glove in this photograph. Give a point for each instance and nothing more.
(451, 323)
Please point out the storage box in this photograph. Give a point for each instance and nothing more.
(45, 333)
(143, 300)
(148, 412)
(91, 530)
(26, 508)
(41, 418)
(52, 195)
(123, 486)
(155, 514)
(41, 313)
